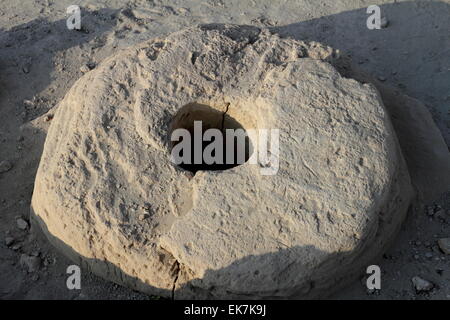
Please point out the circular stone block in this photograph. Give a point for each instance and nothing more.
(108, 195)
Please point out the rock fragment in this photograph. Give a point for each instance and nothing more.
(16, 247)
(444, 245)
(28, 104)
(87, 67)
(143, 216)
(22, 224)
(421, 285)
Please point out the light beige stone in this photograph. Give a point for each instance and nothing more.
(340, 195)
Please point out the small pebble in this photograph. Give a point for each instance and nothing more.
(22, 224)
(384, 22)
(421, 285)
(143, 216)
(444, 245)
(28, 104)
(183, 11)
(87, 67)
(84, 68)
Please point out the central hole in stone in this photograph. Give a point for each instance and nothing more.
(196, 147)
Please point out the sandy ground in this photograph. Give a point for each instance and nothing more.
(40, 59)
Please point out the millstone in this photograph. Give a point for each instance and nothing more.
(108, 195)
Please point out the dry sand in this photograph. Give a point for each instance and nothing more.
(40, 59)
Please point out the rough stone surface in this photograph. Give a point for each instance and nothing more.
(423, 147)
(340, 195)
